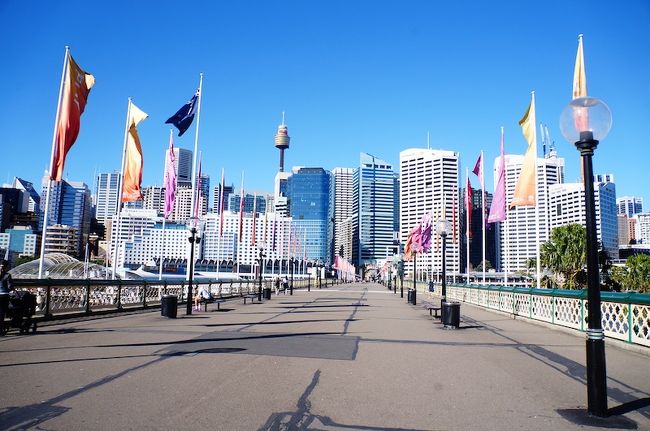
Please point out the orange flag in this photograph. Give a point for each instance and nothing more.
(76, 87)
(525, 193)
(133, 159)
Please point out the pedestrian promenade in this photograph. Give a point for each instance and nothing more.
(349, 357)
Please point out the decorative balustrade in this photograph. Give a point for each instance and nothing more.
(625, 316)
(59, 297)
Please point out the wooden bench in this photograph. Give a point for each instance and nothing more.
(432, 309)
(251, 296)
(214, 300)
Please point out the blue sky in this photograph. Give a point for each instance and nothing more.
(352, 76)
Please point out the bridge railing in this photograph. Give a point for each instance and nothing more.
(625, 316)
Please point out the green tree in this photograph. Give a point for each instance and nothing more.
(486, 263)
(635, 275)
(566, 255)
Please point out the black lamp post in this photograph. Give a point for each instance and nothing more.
(584, 121)
(193, 238)
(291, 261)
(261, 259)
(401, 275)
(442, 228)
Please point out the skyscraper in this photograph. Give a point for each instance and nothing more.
(629, 205)
(518, 234)
(71, 206)
(107, 188)
(341, 209)
(182, 165)
(373, 218)
(429, 182)
(308, 194)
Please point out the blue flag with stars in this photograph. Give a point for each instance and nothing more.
(184, 117)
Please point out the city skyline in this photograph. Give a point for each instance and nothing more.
(352, 78)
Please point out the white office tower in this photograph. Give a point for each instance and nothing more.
(183, 204)
(154, 242)
(518, 234)
(154, 198)
(342, 208)
(224, 245)
(429, 181)
(642, 228)
(125, 227)
(629, 205)
(182, 165)
(567, 205)
(106, 192)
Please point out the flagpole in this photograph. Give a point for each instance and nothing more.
(49, 180)
(467, 211)
(162, 252)
(505, 182)
(483, 213)
(196, 141)
(120, 190)
(538, 263)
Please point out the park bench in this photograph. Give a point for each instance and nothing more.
(251, 296)
(434, 310)
(214, 300)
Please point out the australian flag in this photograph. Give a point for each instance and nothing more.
(184, 117)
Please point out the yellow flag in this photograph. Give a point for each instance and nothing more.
(579, 76)
(133, 159)
(525, 191)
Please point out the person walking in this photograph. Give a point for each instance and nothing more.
(6, 286)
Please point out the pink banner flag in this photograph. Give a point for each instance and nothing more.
(478, 168)
(498, 207)
(170, 178)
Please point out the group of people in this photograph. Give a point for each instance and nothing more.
(281, 285)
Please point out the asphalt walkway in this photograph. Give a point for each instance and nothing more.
(349, 357)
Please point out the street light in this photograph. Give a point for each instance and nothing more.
(194, 238)
(585, 121)
(291, 261)
(262, 256)
(442, 228)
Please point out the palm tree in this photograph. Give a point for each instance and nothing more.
(566, 255)
(635, 275)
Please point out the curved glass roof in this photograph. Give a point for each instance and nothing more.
(60, 265)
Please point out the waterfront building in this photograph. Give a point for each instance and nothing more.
(518, 234)
(429, 182)
(629, 205)
(341, 210)
(373, 220)
(566, 204)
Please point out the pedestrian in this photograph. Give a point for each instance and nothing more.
(6, 286)
(277, 285)
(203, 293)
(285, 285)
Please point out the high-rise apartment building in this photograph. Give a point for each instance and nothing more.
(642, 228)
(107, 189)
(629, 205)
(70, 206)
(373, 221)
(216, 195)
(566, 205)
(341, 210)
(520, 232)
(182, 165)
(429, 182)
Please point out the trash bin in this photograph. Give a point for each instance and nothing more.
(169, 306)
(410, 298)
(266, 293)
(451, 315)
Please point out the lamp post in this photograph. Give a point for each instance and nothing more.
(585, 121)
(193, 238)
(291, 261)
(442, 229)
(261, 256)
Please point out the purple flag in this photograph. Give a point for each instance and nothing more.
(426, 225)
(170, 179)
(498, 207)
